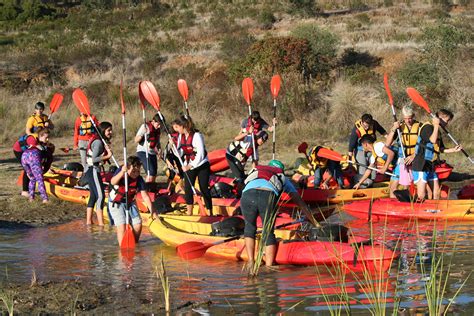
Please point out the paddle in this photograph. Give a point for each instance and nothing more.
(390, 101)
(333, 155)
(183, 90)
(302, 149)
(418, 100)
(195, 249)
(142, 105)
(55, 103)
(149, 93)
(247, 91)
(80, 100)
(128, 240)
(275, 89)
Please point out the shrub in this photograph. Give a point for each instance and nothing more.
(305, 8)
(266, 19)
(235, 45)
(443, 41)
(9, 10)
(418, 74)
(351, 57)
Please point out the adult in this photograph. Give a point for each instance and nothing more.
(428, 147)
(366, 125)
(195, 162)
(409, 129)
(151, 132)
(378, 153)
(117, 202)
(263, 188)
(241, 150)
(83, 132)
(97, 154)
(46, 150)
(321, 165)
(38, 119)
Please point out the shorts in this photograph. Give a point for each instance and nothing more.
(153, 163)
(117, 212)
(424, 176)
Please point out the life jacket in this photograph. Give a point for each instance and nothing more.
(22, 141)
(360, 130)
(86, 127)
(242, 154)
(117, 192)
(410, 137)
(39, 121)
(257, 126)
(89, 150)
(186, 145)
(429, 150)
(273, 175)
(379, 159)
(318, 162)
(153, 136)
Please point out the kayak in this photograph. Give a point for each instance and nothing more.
(443, 170)
(355, 257)
(467, 192)
(217, 160)
(459, 210)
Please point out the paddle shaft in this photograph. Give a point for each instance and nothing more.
(126, 167)
(102, 139)
(371, 168)
(147, 146)
(400, 140)
(254, 154)
(454, 141)
(274, 127)
(186, 109)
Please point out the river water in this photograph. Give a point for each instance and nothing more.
(74, 251)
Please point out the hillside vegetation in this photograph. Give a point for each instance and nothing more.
(331, 55)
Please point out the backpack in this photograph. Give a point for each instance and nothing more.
(232, 226)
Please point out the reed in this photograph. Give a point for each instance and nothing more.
(163, 276)
(7, 298)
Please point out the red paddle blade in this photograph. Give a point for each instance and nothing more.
(303, 147)
(121, 97)
(247, 89)
(275, 85)
(387, 88)
(142, 98)
(192, 250)
(418, 99)
(329, 154)
(183, 89)
(55, 102)
(80, 100)
(128, 241)
(149, 93)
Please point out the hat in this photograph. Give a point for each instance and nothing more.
(263, 135)
(277, 164)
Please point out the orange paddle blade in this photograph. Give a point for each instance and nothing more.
(275, 85)
(80, 100)
(387, 88)
(183, 89)
(128, 241)
(142, 98)
(121, 97)
(329, 154)
(418, 99)
(149, 93)
(55, 102)
(303, 147)
(247, 89)
(192, 249)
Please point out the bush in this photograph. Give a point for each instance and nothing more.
(235, 45)
(266, 19)
(351, 57)
(420, 75)
(443, 41)
(305, 8)
(9, 10)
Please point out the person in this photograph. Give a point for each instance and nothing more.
(117, 202)
(97, 154)
(263, 187)
(366, 125)
(31, 160)
(46, 149)
(320, 165)
(409, 129)
(428, 147)
(37, 120)
(195, 163)
(241, 150)
(83, 132)
(153, 132)
(378, 153)
(255, 123)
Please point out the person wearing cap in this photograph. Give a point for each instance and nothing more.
(241, 150)
(38, 119)
(263, 187)
(321, 165)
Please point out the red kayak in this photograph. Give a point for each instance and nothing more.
(443, 170)
(217, 160)
(467, 192)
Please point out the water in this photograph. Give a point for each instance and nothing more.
(73, 251)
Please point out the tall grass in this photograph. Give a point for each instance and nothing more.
(165, 284)
(7, 298)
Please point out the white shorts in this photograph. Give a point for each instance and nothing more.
(117, 212)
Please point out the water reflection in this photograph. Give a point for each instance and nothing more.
(72, 251)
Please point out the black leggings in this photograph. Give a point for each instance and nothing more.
(236, 167)
(96, 188)
(203, 173)
(25, 181)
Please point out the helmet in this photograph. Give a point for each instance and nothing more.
(39, 106)
(277, 164)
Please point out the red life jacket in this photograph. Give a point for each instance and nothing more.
(257, 126)
(186, 145)
(117, 193)
(153, 136)
(273, 175)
